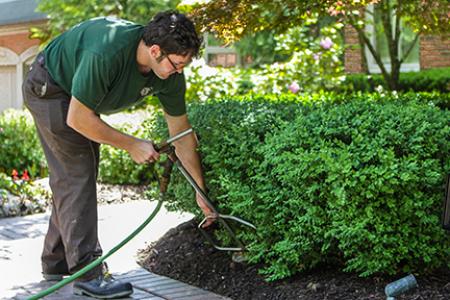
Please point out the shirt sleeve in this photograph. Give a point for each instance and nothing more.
(91, 80)
(172, 97)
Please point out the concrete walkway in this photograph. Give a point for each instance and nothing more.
(21, 240)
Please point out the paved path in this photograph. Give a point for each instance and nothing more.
(21, 241)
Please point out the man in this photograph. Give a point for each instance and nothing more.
(102, 66)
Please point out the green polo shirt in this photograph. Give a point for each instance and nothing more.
(95, 61)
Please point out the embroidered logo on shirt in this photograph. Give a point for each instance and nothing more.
(145, 91)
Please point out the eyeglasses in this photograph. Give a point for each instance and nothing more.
(175, 66)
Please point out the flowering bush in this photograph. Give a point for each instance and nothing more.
(205, 82)
(314, 64)
(20, 196)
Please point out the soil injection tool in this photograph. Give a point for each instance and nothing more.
(165, 147)
(225, 220)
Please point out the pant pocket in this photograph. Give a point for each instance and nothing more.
(34, 84)
(39, 84)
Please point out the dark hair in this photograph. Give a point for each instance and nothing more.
(174, 33)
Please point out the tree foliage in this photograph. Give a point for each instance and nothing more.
(232, 20)
(63, 14)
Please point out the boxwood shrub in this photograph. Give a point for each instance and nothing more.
(358, 182)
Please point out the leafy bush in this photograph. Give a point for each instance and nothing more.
(19, 145)
(359, 183)
(19, 196)
(218, 125)
(363, 180)
(423, 81)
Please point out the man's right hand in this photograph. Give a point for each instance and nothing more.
(142, 151)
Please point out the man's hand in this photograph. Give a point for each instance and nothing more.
(206, 211)
(143, 151)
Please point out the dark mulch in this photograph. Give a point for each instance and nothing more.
(182, 254)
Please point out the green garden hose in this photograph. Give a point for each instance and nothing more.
(99, 260)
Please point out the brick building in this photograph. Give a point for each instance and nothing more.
(17, 50)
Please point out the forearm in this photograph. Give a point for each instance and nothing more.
(186, 150)
(95, 129)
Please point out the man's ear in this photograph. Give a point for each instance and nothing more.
(155, 51)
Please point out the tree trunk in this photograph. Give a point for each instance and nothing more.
(394, 83)
(392, 33)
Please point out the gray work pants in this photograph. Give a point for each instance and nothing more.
(71, 241)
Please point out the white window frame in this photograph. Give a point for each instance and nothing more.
(371, 63)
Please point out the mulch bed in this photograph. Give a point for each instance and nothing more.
(183, 254)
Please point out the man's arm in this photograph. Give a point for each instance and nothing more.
(84, 120)
(186, 149)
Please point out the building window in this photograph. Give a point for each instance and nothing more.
(379, 41)
(222, 59)
(217, 55)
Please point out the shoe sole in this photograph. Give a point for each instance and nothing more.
(80, 292)
(53, 277)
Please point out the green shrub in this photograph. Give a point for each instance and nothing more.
(422, 81)
(356, 181)
(219, 123)
(19, 145)
(361, 180)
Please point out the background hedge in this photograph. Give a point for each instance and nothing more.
(422, 81)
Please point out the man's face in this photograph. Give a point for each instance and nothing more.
(168, 64)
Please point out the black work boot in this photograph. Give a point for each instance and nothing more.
(103, 288)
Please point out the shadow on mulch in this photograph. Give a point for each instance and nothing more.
(183, 254)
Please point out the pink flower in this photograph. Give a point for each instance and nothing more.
(316, 56)
(294, 87)
(326, 43)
